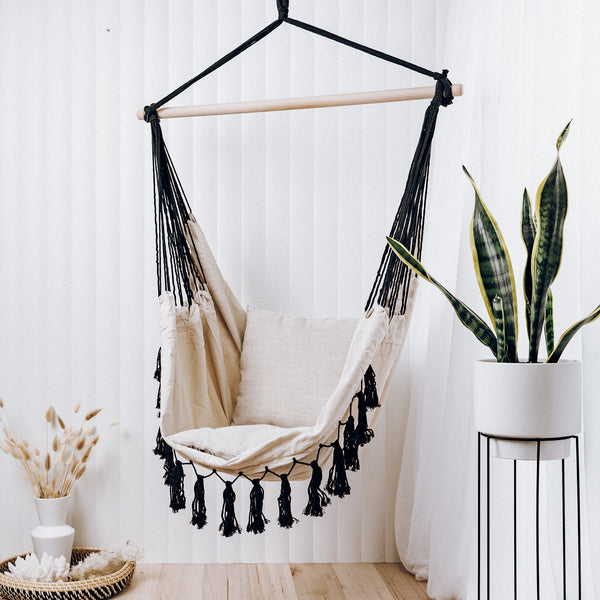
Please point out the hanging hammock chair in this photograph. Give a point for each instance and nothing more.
(260, 395)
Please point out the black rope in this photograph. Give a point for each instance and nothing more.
(178, 265)
(392, 282)
(361, 47)
(283, 9)
(151, 109)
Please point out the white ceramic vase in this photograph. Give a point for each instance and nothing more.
(528, 400)
(53, 535)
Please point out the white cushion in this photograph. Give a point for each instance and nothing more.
(290, 366)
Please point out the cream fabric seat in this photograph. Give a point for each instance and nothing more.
(201, 361)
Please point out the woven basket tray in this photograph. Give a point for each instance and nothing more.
(95, 588)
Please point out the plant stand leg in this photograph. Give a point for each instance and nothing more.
(515, 527)
(578, 516)
(537, 520)
(479, 516)
(488, 515)
(485, 520)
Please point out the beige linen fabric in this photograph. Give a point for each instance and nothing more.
(289, 368)
(201, 347)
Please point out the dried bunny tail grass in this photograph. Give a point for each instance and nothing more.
(50, 414)
(77, 407)
(1, 403)
(92, 414)
(53, 473)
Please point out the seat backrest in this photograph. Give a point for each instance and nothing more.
(290, 366)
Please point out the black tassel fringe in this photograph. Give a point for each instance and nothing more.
(286, 518)
(351, 446)
(199, 505)
(337, 483)
(362, 433)
(371, 397)
(229, 524)
(162, 449)
(175, 479)
(317, 498)
(157, 372)
(256, 519)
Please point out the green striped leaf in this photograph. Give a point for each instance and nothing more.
(549, 324)
(567, 336)
(501, 355)
(467, 316)
(551, 210)
(494, 270)
(563, 135)
(528, 230)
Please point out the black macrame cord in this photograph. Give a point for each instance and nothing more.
(179, 271)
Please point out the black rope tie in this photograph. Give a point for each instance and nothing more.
(150, 113)
(443, 89)
(283, 9)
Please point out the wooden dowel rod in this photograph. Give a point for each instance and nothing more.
(232, 108)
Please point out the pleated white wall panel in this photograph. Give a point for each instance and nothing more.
(295, 205)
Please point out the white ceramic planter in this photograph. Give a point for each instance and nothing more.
(528, 400)
(53, 536)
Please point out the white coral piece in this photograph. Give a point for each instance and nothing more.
(31, 569)
(105, 562)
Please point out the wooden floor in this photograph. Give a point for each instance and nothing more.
(360, 581)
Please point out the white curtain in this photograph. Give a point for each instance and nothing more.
(528, 68)
(295, 207)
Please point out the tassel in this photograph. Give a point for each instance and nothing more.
(165, 453)
(371, 396)
(199, 505)
(175, 481)
(363, 434)
(168, 466)
(157, 372)
(229, 524)
(286, 519)
(317, 498)
(337, 483)
(256, 519)
(351, 446)
(162, 448)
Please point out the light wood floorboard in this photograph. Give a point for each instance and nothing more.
(357, 581)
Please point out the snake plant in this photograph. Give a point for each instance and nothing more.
(542, 233)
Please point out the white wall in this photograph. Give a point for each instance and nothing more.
(295, 205)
